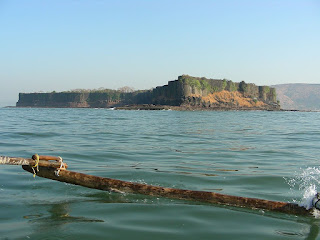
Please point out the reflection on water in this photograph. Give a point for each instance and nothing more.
(54, 219)
(58, 214)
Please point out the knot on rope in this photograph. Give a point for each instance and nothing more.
(35, 168)
(62, 166)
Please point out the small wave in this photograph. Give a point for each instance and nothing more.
(36, 134)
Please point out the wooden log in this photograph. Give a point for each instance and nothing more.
(29, 162)
(47, 158)
(109, 184)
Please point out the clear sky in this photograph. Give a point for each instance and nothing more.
(68, 44)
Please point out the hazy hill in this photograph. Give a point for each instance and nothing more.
(299, 96)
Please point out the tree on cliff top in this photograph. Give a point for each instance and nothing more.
(243, 86)
(126, 89)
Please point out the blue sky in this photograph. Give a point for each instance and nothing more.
(67, 44)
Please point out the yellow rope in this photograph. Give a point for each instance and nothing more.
(36, 165)
(37, 160)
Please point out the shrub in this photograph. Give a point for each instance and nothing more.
(224, 84)
(243, 87)
(215, 89)
(205, 85)
(233, 87)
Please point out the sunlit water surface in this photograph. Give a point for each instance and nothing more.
(268, 155)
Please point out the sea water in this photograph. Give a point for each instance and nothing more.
(267, 155)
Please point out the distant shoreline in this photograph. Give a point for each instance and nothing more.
(173, 108)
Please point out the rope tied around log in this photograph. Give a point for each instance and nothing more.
(36, 165)
(37, 159)
(62, 167)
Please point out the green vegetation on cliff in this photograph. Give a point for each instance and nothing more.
(202, 83)
(212, 85)
(198, 83)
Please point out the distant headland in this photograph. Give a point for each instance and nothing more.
(185, 93)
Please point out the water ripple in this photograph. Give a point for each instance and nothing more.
(239, 153)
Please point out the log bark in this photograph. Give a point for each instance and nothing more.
(109, 184)
(29, 162)
(47, 158)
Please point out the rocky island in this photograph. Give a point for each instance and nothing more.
(185, 93)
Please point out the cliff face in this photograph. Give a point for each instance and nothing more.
(52, 100)
(97, 99)
(206, 93)
(187, 92)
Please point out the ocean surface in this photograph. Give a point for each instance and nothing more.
(268, 155)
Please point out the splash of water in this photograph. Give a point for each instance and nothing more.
(307, 181)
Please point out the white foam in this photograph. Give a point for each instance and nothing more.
(307, 181)
(316, 213)
(308, 196)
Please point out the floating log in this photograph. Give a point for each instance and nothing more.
(30, 162)
(109, 184)
(47, 158)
